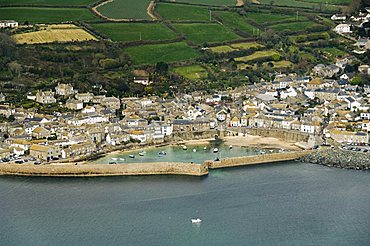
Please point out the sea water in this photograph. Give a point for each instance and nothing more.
(275, 204)
(193, 153)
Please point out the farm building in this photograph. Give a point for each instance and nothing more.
(343, 29)
(8, 24)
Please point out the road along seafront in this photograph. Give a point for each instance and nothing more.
(158, 168)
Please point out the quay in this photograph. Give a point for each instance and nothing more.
(156, 168)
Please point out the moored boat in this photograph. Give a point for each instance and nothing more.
(215, 150)
(194, 150)
(141, 154)
(162, 153)
(196, 221)
(184, 147)
(131, 156)
(230, 147)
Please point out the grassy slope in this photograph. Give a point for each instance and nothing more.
(49, 2)
(125, 9)
(292, 27)
(299, 4)
(191, 72)
(234, 20)
(131, 31)
(267, 18)
(211, 33)
(182, 12)
(256, 55)
(46, 15)
(211, 2)
(151, 54)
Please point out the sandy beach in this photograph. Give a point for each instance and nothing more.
(260, 142)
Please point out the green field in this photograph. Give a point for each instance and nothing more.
(210, 2)
(279, 64)
(182, 12)
(46, 15)
(234, 47)
(132, 31)
(333, 52)
(257, 55)
(331, 2)
(193, 72)
(292, 27)
(125, 9)
(269, 18)
(201, 33)
(236, 21)
(48, 2)
(151, 54)
(246, 45)
(300, 4)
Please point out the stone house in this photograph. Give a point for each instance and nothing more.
(64, 90)
(74, 104)
(45, 97)
(44, 152)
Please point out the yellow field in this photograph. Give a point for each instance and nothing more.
(236, 46)
(54, 33)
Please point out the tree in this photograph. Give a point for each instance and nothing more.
(7, 46)
(161, 68)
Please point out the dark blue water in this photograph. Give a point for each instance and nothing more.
(282, 204)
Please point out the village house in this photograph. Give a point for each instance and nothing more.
(141, 77)
(181, 125)
(45, 97)
(349, 137)
(40, 132)
(74, 104)
(44, 152)
(64, 90)
(343, 29)
(84, 97)
(2, 97)
(8, 24)
(111, 103)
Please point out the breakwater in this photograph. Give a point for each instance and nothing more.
(94, 170)
(155, 168)
(340, 158)
(256, 159)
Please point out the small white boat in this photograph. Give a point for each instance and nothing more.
(196, 221)
(121, 159)
(131, 156)
(194, 150)
(205, 148)
(184, 147)
(114, 159)
(230, 147)
(162, 153)
(215, 150)
(141, 153)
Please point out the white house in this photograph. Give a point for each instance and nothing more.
(343, 29)
(338, 17)
(8, 24)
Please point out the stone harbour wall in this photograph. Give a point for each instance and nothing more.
(340, 158)
(93, 170)
(257, 159)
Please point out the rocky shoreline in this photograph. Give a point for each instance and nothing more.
(336, 157)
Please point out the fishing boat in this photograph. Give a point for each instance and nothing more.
(162, 153)
(131, 156)
(184, 147)
(196, 221)
(230, 147)
(141, 153)
(215, 150)
(114, 159)
(194, 150)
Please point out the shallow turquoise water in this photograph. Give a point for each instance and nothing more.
(177, 154)
(278, 204)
